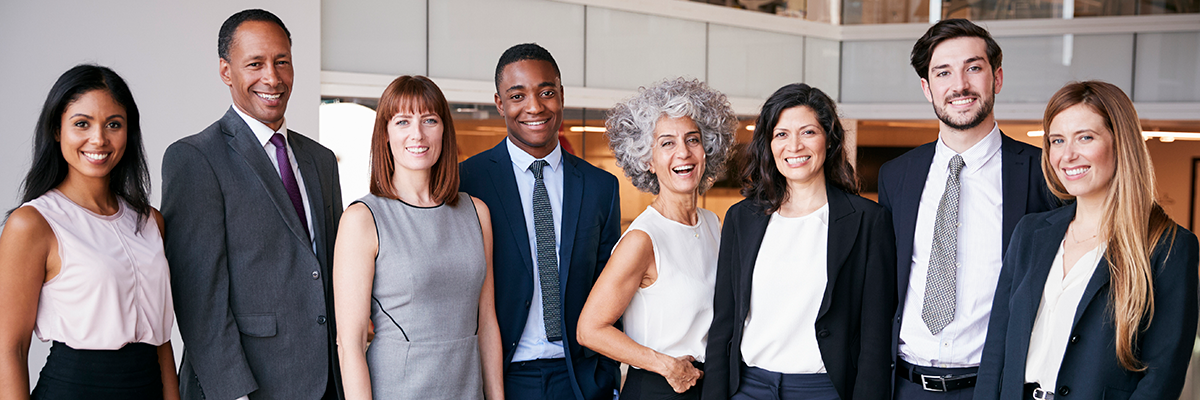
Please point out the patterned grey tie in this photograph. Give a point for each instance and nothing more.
(547, 257)
(941, 280)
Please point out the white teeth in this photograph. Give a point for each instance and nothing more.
(683, 169)
(96, 156)
(417, 150)
(269, 96)
(961, 102)
(536, 123)
(796, 160)
(1077, 171)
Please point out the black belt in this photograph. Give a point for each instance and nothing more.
(934, 383)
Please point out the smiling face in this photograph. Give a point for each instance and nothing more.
(677, 156)
(798, 144)
(961, 85)
(530, 98)
(259, 71)
(93, 135)
(415, 139)
(1081, 151)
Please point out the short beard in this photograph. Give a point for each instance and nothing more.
(975, 120)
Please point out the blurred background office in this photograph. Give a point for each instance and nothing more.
(346, 51)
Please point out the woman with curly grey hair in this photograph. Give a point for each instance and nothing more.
(672, 140)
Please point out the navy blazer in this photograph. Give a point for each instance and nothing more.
(853, 323)
(591, 225)
(902, 180)
(1089, 368)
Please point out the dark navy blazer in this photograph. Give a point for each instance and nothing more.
(902, 180)
(1089, 367)
(591, 226)
(853, 323)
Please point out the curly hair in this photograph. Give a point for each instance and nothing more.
(631, 123)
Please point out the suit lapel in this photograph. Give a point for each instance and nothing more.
(843, 227)
(756, 228)
(313, 187)
(243, 142)
(504, 182)
(1014, 175)
(572, 199)
(1040, 257)
(908, 203)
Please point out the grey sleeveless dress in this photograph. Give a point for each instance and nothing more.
(425, 301)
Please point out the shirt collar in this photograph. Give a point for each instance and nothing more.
(974, 157)
(261, 130)
(523, 160)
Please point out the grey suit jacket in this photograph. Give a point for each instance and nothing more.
(252, 299)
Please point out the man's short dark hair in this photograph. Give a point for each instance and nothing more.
(522, 52)
(225, 36)
(948, 29)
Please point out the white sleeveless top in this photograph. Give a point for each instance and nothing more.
(114, 287)
(672, 315)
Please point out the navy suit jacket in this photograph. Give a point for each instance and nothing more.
(853, 319)
(1089, 366)
(902, 180)
(591, 226)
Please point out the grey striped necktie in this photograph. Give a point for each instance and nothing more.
(941, 282)
(547, 257)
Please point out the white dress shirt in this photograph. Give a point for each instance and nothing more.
(264, 133)
(790, 274)
(979, 255)
(1056, 313)
(534, 344)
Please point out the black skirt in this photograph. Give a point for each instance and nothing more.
(646, 385)
(131, 372)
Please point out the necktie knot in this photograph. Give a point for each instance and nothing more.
(536, 168)
(278, 140)
(957, 164)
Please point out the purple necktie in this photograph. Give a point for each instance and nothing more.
(289, 179)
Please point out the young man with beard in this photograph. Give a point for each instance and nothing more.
(555, 220)
(954, 204)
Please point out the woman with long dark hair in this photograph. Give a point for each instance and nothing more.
(806, 275)
(82, 257)
(414, 258)
(1097, 299)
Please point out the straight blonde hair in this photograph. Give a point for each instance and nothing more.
(1132, 222)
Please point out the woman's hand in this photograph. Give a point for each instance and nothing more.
(679, 371)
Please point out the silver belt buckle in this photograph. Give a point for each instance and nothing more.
(1039, 394)
(927, 380)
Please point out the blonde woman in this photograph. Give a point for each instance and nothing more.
(1096, 300)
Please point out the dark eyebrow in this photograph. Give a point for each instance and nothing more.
(81, 115)
(973, 59)
(547, 84)
(116, 116)
(515, 87)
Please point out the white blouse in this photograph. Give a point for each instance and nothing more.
(673, 314)
(790, 274)
(113, 288)
(1056, 313)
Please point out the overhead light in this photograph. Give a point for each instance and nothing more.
(1164, 136)
(750, 127)
(587, 129)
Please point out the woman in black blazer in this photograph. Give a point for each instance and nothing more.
(820, 261)
(1096, 300)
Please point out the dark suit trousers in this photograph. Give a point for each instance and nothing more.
(538, 380)
(645, 385)
(761, 384)
(909, 390)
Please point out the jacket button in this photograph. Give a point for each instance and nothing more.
(527, 303)
(316, 274)
(1063, 390)
(823, 333)
(897, 320)
(1075, 339)
(321, 320)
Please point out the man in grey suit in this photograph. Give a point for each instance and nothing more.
(251, 213)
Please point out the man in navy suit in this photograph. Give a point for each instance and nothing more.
(555, 219)
(954, 204)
